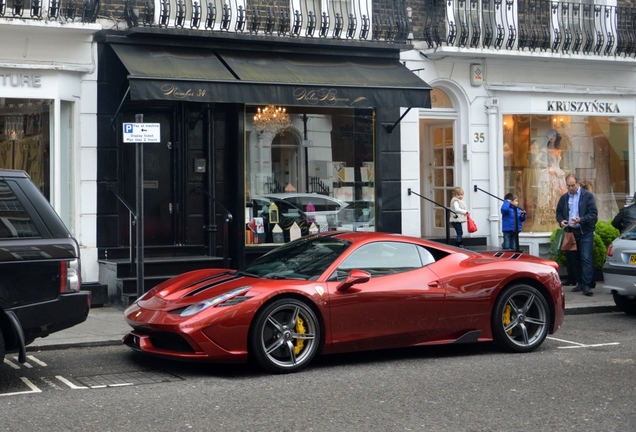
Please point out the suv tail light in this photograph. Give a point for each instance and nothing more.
(610, 250)
(70, 276)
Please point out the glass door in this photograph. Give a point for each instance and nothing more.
(439, 180)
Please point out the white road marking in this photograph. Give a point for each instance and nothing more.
(10, 363)
(591, 346)
(25, 364)
(35, 360)
(33, 388)
(68, 383)
(580, 345)
(120, 385)
(565, 341)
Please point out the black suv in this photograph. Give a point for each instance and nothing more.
(39, 267)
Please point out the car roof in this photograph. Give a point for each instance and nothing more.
(13, 173)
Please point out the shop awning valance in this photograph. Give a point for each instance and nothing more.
(203, 75)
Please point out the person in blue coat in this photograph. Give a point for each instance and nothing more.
(508, 209)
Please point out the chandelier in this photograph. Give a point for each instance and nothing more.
(14, 127)
(271, 119)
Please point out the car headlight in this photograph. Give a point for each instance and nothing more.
(203, 305)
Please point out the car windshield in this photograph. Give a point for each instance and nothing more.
(306, 258)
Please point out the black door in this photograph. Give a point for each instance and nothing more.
(159, 179)
(174, 174)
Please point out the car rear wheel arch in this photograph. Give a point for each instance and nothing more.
(515, 328)
(256, 343)
(544, 292)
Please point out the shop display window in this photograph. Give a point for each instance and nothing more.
(308, 170)
(24, 138)
(541, 150)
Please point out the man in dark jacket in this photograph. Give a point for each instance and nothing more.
(625, 217)
(577, 212)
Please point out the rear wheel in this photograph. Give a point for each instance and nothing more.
(520, 319)
(285, 336)
(625, 304)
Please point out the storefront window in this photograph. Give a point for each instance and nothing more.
(308, 170)
(24, 138)
(540, 150)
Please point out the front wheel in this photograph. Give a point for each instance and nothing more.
(520, 319)
(285, 336)
(625, 304)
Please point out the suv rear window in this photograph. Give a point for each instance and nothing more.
(15, 221)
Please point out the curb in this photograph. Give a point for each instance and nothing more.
(586, 310)
(58, 346)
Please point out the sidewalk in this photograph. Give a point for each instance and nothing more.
(106, 325)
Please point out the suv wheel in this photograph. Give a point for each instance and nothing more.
(625, 304)
(2, 348)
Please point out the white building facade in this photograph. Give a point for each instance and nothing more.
(516, 121)
(48, 105)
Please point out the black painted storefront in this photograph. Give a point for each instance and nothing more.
(197, 89)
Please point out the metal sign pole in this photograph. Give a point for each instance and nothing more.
(139, 154)
(139, 133)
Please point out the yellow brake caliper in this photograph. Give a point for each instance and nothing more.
(300, 343)
(507, 319)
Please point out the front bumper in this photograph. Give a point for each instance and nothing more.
(167, 335)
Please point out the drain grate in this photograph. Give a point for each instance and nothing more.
(127, 378)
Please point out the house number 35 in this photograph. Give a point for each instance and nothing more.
(479, 137)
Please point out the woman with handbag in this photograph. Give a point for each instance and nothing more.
(459, 216)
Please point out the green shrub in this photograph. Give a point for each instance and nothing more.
(604, 234)
(607, 232)
(599, 251)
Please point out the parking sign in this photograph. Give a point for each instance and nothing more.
(142, 132)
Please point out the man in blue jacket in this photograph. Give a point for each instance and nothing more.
(577, 212)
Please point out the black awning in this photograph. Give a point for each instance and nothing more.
(200, 75)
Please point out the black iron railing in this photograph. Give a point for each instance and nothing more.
(531, 25)
(85, 11)
(362, 20)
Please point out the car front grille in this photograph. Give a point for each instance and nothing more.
(170, 342)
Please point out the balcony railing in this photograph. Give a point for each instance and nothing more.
(52, 10)
(361, 20)
(531, 25)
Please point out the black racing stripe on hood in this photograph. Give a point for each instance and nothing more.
(212, 282)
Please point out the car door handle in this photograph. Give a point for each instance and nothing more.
(433, 284)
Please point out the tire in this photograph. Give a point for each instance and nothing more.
(3, 348)
(521, 319)
(625, 304)
(285, 336)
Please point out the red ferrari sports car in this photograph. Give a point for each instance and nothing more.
(340, 292)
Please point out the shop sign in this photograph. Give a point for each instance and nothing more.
(20, 80)
(583, 107)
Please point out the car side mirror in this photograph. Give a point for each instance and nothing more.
(355, 277)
